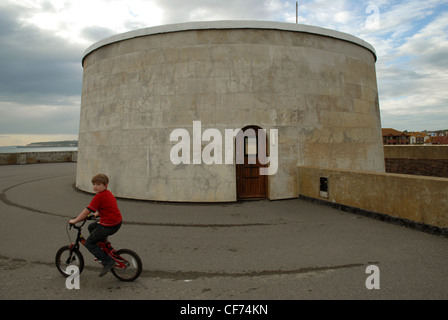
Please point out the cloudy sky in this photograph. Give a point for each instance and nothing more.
(42, 42)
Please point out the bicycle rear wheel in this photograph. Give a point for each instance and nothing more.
(132, 265)
(66, 257)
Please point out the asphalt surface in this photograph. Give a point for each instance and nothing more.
(280, 250)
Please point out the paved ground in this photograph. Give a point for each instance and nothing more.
(289, 249)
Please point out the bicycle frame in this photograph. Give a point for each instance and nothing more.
(106, 246)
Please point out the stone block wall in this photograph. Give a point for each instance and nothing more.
(417, 160)
(414, 198)
(37, 157)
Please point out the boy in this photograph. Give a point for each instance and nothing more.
(105, 205)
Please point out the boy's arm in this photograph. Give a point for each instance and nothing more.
(82, 216)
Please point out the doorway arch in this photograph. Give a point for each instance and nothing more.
(249, 145)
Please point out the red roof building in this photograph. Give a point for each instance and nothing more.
(440, 140)
(392, 136)
(418, 137)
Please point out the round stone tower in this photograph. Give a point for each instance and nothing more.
(162, 109)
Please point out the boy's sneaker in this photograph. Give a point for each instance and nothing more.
(107, 266)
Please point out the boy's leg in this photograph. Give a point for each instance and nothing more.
(92, 226)
(99, 233)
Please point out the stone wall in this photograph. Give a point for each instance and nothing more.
(37, 157)
(417, 160)
(414, 198)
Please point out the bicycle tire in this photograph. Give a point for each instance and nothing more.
(133, 271)
(63, 255)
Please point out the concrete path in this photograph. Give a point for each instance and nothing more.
(289, 249)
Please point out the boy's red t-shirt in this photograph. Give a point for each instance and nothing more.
(106, 205)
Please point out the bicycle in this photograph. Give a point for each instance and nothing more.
(128, 265)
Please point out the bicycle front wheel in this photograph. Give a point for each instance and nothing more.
(66, 257)
(130, 266)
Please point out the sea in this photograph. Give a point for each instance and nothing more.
(16, 149)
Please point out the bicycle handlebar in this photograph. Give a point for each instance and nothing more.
(89, 217)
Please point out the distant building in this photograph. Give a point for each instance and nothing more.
(440, 140)
(418, 138)
(392, 136)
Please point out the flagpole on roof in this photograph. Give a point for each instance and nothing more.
(297, 12)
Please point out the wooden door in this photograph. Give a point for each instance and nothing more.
(250, 184)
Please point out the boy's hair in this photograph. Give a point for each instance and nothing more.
(101, 178)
